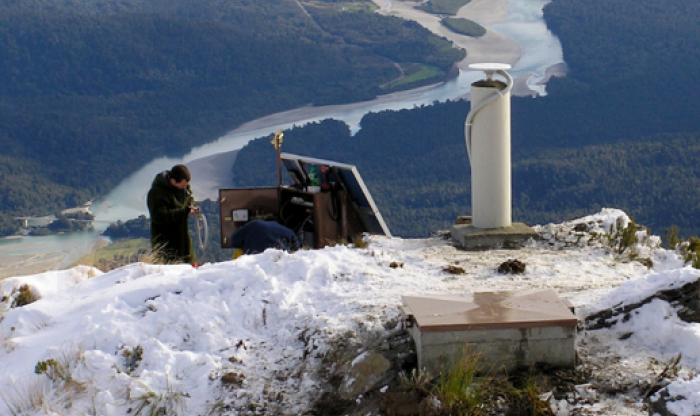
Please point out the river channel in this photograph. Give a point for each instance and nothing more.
(541, 53)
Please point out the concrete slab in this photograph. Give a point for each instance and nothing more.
(468, 237)
(508, 329)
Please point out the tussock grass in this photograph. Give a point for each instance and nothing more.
(18, 297)
(360, 241)
(151, 403)
(125, 252)
(523, 397)
(463, 389)
(24, 296)
(6, 342)
(118, 254)
(60, 370)
(27, 398)
(689, 249)
(416, 380)
(46, 394)
(132, 358)
(624, 241)
(472, 386)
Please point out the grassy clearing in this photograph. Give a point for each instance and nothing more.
(349, 6)
(118, 254)
(443, 6)
(415, 74)
(464, 26)
(358, 7)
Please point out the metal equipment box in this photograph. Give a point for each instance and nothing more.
(340, 208)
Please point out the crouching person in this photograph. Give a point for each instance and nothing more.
(257, 236)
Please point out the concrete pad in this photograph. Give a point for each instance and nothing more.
(468, 237)
(509, 330)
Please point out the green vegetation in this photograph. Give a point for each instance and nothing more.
(117, 254)
(443, 6)
(94, 90)
(136, 228)
(415, 75)
(466, 387)
(689, 249)
(397, 154)
(22, 296)
(345, 6)
(60, 373)
(393, 42)
(464, 26)
(599, 139)
(132, 358)
(155, 404)
(54, 370)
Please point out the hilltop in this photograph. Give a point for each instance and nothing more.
(279, 333)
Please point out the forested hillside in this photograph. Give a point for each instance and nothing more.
(621, 130)
(419, 175)
(93, 90)
(89, 101)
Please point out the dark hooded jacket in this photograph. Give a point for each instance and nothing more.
(257, 236)
(170, 231)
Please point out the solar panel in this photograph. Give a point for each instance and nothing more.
(350, 179)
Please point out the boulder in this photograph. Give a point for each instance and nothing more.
(366, 372)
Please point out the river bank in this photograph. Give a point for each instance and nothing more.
(491, 47)
(533, 51)
(35, 258)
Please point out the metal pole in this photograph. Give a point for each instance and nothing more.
(277, 144)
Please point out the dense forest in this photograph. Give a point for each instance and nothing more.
(416, 166)
(93, 90)
(621, 130)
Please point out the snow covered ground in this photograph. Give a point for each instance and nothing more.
(146, 336)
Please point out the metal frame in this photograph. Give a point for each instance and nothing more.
(363, 202)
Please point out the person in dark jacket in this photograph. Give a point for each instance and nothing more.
(170, 203)
(257, 236)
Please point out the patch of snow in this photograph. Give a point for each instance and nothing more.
(169, 333)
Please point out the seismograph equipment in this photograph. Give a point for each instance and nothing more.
(324, 203)
(487, 133)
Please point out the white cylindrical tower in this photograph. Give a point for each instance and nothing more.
(487, 133)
